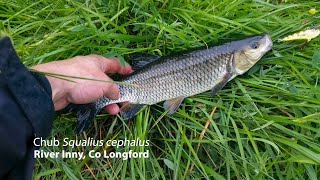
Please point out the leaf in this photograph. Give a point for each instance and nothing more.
(316, 58)
(214, 174)
(293, 89)
(254, 69)
(301, 149)
(169, 164)
(48, 172)
(275, 146)
(78, 28)
(115, 54)
(302, 159)
(110, 54)
(122, 61)
(263, 126)
(136, 28)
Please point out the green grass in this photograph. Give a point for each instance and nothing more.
(266, 125)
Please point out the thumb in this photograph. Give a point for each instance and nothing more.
(112, 65)
(90, 91)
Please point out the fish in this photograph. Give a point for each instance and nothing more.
(175, 77)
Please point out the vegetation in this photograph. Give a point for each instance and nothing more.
(262, 125)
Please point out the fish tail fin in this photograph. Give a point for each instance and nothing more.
(85, 114)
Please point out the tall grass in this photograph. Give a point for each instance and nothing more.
(265, 124)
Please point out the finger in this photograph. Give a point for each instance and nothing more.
(123, 103)
(112, 109)
(93, 90)
(110, 90)
(112, 65)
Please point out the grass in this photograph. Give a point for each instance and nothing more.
(265, 124)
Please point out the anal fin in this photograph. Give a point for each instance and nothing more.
(172, 105)
(128, 110)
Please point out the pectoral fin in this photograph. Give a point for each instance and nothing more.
(128, 111)
(172, 105)
(85, 114)
(221, 84)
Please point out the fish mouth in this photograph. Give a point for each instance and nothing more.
(267, 41)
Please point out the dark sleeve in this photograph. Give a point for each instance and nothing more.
(26, 112)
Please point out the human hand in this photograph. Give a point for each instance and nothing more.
(82, 91)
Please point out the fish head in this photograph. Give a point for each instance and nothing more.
(250, 52)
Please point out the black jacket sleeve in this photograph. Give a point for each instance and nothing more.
(26, 112)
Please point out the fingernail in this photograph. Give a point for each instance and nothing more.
(129, 71)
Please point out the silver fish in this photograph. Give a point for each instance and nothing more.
(173, 78)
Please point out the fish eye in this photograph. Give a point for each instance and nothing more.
(255, 45)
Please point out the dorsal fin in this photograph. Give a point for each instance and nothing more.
(138, 60)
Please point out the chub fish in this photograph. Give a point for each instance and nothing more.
(173, 78)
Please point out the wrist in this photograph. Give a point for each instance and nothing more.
(59, 92)
(59, 88)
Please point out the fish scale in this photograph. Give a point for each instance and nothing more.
(173, 78)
